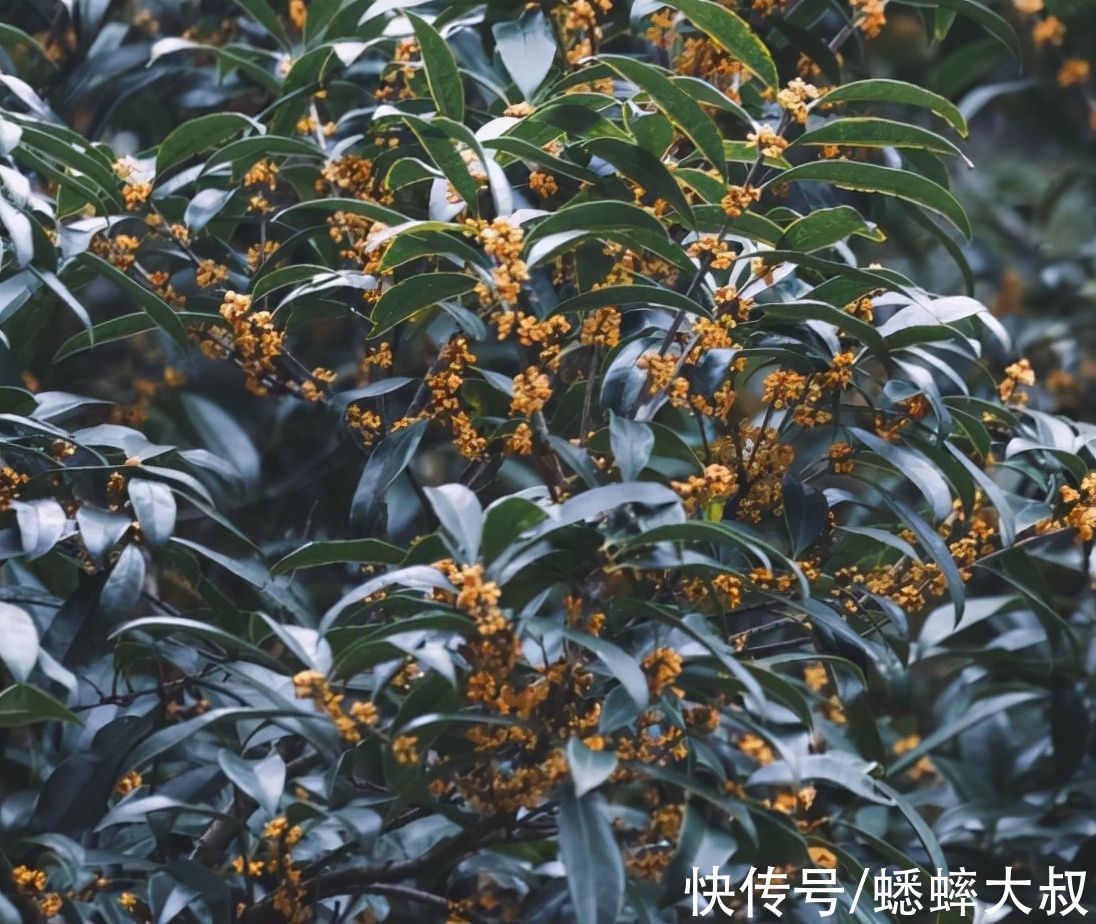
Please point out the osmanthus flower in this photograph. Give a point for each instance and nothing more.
(553, 436)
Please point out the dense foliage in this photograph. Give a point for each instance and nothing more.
(473, 462)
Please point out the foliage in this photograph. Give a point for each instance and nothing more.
(469, 460)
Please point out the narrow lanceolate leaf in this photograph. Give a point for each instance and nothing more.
(888, 181)
(405, 298)
(897, 91)
(442, 75)
(915, 467)
(630, 295)
(676, 104)
(148, 301)
(645, 169)
(733, 34)
(591, 859)
(22, 704)
(825, 227)
(261, 12)
(977, 11)
(869, 132)
(197, 135)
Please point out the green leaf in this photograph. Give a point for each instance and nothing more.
(733, 34)
(897, 91)
(439, 145)
(123, 588)
(824, 228)
(120, 328)
(197, 135)
(888, 181)
(22, 704)
(62, 292)
(527, 47)
(11, 35)
(261, 12)
(442, 75)
(263, 780)
(912, 465)
(155, 307)
(630, 295)
(978, 711)
(870, 132)
(622, 665)
(154, 505)
(101, 530)
(339, 551)
(19, 232)
(797, 312)
(644, 169)
(605, 218)
(591, 859)
(631, 443)
(461, 516)
(589, 768)
(41, 523)
(19, 651)
(678, 106)
(406, 298)
(976, 11)
(388, 460)
(192, 627)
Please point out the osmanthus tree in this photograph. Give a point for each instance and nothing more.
(461, 462)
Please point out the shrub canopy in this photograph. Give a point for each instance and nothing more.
(472, 461)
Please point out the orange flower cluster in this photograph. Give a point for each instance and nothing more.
(262, 173)
(767, 141)
(716, 485)
(579, 26)
(601, 327)
(503, 241)
(840, 456)
(118, 250)
(720, 256)
(764, 460)
(209, 273)
(532, 389)
(1081, 514)
(738, 199)
(870, 16)
(312, 684)
(1010, 388)
(662, 667)
(660, 370)
(782, 388)
(129, 783)
(136, 195)
(32, 883)
(795, 97)
(475, 596)
(350, 175)
(444, 405)
(254, 343)
(11, 482)
(543, 184)
(531, 331)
